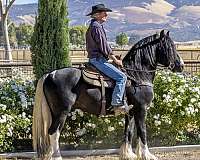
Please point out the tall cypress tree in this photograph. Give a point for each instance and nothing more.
(50, 40)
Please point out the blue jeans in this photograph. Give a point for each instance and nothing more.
(113, 72)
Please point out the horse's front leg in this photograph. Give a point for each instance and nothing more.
(126, 152)
(142, 149)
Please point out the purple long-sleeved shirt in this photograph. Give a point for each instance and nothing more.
(96, 41)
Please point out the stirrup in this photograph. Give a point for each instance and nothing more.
(121, 109)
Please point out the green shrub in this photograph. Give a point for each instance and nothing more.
(90, 131)
(50, 39)
(16, 103)
(173, 118)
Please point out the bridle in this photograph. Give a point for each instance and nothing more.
(124, 69)
(157, 67)
(159, 41)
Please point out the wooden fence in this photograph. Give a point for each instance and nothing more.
(78, 54)
(22, 61)
(26, 69)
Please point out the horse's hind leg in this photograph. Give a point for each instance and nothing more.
(58, 121)
(142, 148)
(54, 135)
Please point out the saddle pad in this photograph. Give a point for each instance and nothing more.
(93, 78)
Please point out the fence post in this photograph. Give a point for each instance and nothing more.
(24, 54)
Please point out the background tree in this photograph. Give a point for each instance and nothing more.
(50, 41)
(12, 34)
(122, 39)
(1, 35)
(4, 9)
(23, 34)
(134, 38)
(77, 35)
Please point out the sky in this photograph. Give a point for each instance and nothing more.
(25, 1)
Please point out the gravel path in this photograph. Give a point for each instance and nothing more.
(179, 155)
(194, 155)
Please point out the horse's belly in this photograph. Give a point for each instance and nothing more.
(89, 100)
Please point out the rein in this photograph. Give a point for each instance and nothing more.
(135, 70)
(134, 80)
(124, 69)
(148, 71)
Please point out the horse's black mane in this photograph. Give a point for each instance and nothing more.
(144, 42)
(141, 44)
(136, 56)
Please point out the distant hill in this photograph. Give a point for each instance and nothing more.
(145, 17)
(24, 13)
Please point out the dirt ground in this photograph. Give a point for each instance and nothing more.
(186, 155)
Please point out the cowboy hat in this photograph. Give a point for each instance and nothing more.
(99, 8)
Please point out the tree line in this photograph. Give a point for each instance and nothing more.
(50, 38)
(20, 36)
(77, 37)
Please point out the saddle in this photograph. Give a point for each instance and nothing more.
(96, 78)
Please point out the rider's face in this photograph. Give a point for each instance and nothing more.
(102, 16)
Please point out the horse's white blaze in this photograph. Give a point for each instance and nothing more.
(143, 153)
(126, 152)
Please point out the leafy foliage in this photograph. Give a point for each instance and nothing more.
(12, 33)
(77, 35)
(50, 41)
(23, 34)
(18, 35)
(172, 119)
(122, 39)
(175, 118)
(16, 105)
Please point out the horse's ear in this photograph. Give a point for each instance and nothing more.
(162, 33)
(157, 35)
(167, 33)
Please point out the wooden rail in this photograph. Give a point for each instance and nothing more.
(26, 68)
(22, 59)
(78, 54)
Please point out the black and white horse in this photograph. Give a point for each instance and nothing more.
(62, 90)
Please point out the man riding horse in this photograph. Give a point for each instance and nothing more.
(61, 91)
(99, 52)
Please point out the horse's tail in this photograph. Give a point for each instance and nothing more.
(41, 121)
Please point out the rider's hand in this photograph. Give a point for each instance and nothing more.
(116, 61)
(119, 62)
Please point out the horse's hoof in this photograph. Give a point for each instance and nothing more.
(57, 158)
(148, 156)
(128, 157)
(126, 152)
(152, 157)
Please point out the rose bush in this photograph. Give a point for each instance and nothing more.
(16, 103)
(173, 118)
